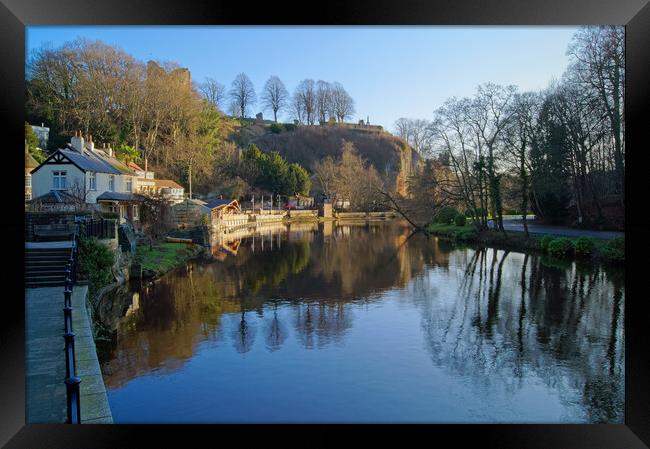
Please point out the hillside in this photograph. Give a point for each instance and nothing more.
(305, 145)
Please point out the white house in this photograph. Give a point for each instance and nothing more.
(147, 184)
(83, 174)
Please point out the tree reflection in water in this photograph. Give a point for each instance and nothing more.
(556, 322)
(498, 320)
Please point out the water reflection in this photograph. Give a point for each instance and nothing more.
(506, 326)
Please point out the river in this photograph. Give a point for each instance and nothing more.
(367, 323)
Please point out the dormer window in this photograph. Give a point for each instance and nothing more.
(59, 180)
(111, 183)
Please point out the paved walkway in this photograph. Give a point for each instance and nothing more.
(516, 224)
(45, 358)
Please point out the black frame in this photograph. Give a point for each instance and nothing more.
(635, 14)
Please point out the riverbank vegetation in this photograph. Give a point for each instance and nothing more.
(95, 261)
(609, 250)
(158, 259)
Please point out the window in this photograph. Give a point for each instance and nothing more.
(28, 196)
(92, 181)
(28, 180)
(129, 184)
(58, 180)
(111, 183)
(136, 215)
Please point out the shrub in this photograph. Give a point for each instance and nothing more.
(275, 128)
(460, 220)
(560, 246)
(583, 246)
(445, 215)
(615, 249)
(94, 264)
(545, 242)
(289, 126)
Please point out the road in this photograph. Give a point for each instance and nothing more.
(515, 224)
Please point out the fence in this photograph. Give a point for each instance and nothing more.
(102, 228)
(72, 381)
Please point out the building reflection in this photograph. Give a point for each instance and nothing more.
(496, 318)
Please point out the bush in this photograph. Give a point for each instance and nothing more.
(560, 246)
(289, 126)
(615, 249)
(275, 128)
(583, 246)
(460, 220)
(545, 242)
(445, 215)
(94, 264)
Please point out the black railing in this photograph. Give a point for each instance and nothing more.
(71, 380)
(102, 228)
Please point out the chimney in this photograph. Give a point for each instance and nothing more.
(109, 150)
(77, 142)
(90, 145)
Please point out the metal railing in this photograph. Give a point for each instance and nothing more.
(102, 228)
(72, 381)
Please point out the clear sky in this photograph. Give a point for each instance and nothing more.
(390, 72)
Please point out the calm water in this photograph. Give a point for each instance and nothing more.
(366, 323)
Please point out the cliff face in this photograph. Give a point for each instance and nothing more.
(393, 159)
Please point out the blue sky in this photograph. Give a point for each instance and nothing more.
(391, 72)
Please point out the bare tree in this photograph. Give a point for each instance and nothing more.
(214, 92)
(403, 128)
(323, 100)
(342, 103)
(242, 94)
(598, 66)
(274, 96)
(420, 135)
(305, 96)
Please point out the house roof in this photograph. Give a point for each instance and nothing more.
(89, 162)
(118, 196)
(167, 183)
(187, 202)
(96, 161)
(219, 203)
(135, 166)
(54, 196)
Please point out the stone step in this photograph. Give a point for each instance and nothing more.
(39, 284)
(57, 259)
(41, 271)
(45, 263)
(48, 250)
(44, 276)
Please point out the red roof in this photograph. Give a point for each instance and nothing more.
(135, 166)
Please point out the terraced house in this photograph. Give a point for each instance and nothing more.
(85, 177)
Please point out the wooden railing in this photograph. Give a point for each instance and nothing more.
(72, 381)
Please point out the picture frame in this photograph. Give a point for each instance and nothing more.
(15, 15)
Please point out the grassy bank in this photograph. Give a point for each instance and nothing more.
(163, 257)
(583, 247)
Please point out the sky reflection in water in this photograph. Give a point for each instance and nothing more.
(366, 323)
